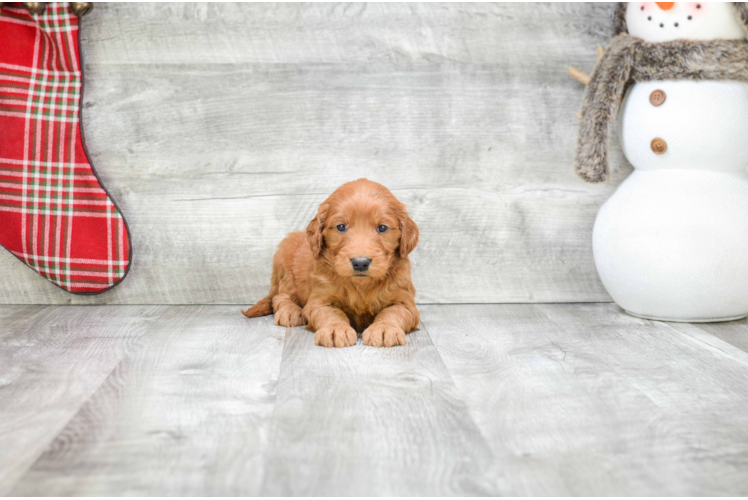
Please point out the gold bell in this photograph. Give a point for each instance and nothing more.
(34, 7)
(80, 9)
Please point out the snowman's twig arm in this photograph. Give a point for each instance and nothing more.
(580, 75)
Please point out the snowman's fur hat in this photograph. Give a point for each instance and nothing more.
(630, 59)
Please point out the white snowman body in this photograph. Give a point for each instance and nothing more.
(672, 241)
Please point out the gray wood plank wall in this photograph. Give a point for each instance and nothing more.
(218, 128)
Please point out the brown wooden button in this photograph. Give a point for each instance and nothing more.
(657, 97)
(659, 146)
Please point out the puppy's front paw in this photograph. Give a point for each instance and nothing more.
(290, 316)
(382, 334)
(335, 336)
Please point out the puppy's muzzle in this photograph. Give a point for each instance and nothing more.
(360, 264)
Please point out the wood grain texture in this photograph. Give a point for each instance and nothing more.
(368, 421)
(187, 413)
(585, 400)
(218, 128)
(521, 399)
(331, 33)
(52, 359)
(732, 332)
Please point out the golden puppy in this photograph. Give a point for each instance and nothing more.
(349, 272)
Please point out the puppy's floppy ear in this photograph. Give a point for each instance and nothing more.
(408, 234)
(314, 231)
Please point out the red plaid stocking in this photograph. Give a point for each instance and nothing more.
(54, 213)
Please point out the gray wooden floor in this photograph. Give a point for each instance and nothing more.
(484, 399)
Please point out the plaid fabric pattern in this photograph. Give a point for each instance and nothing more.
(54, 214)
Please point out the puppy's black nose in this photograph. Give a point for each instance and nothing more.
(360, 264)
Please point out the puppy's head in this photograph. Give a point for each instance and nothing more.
(361, 230)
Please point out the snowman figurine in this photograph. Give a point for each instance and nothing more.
(672, 242)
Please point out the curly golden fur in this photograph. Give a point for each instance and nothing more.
(314, 281)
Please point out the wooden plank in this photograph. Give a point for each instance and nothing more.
(586, 400)
(507, 399)
(51, 360)
(232, 122)
(700, 334)
(186, 414)
(367, 421)
(512, 243)
(732, 332)
(279, 33)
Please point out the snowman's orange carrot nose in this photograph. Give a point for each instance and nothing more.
(665, 5)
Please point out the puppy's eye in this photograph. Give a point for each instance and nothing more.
(341, 228)
(381, 228)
